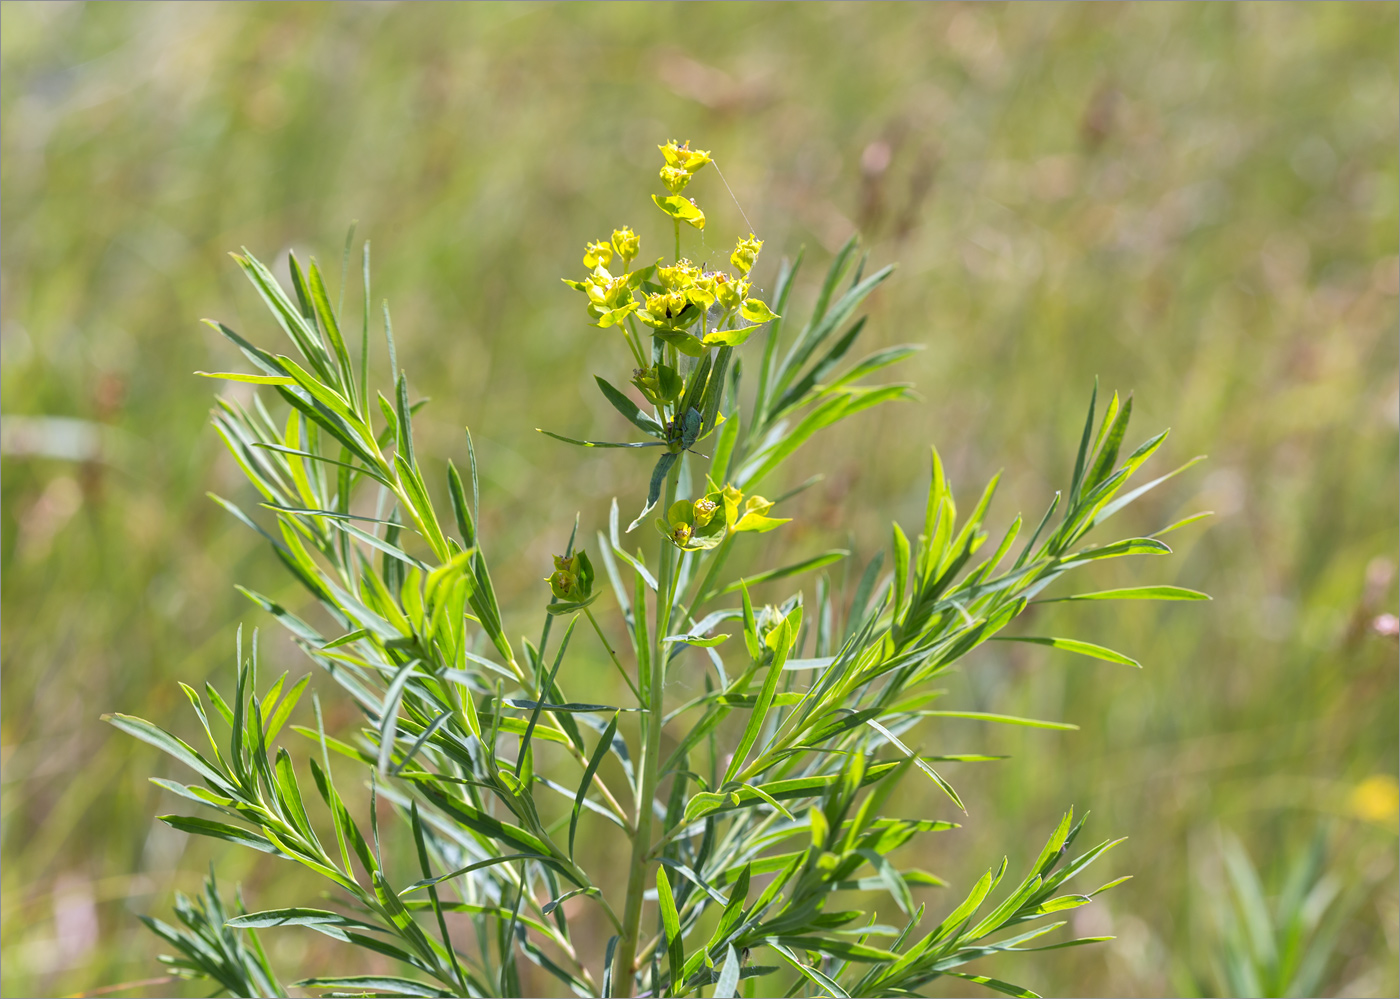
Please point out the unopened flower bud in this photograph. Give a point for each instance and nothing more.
(627, 244)
(572, 578)
(758, 505)
(674, 178)
(731, 293)
(745, 253)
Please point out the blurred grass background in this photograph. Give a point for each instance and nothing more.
(1197, 203)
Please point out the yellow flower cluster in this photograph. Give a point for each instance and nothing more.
(674, 300)
(679, 294)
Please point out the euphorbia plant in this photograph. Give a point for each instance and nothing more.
(755, 812)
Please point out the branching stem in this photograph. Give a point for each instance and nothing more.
(613, 655)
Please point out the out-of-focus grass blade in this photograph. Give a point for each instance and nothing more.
(816, 562)
(1133, 593)
(1002, 719)
(1074, 645)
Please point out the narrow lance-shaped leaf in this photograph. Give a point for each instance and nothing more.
(671, 924)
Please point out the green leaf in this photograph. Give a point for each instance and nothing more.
(728, 983)
(899, 891)
(1108, 453)
(769, 799)
(1074, 645)
(825, 984)
(829, 411)
(1078, 479)
(687, 343)
(547, 686)
(658, 478)
(629, 409)
(670, 920)
(297, 917)
(728, 338)
(1134, 593)
(765, 699)
(724, 449)
(697, 641)
(799, 389)
(328, 323)
(846, 950)
(874, 362)
(479, 821)
(815, 562)
(284, 710)
(478, 866)
(965, 910)
(374, 983)
(755, 310)
(1183, 522)
(235, 376)
(389, 714)
(1111, 508)
(422, 506)
(1132, 546)
(167, 743)
(219, 830)
(570, 440)
(826, 323)
(291, 321)
(1002, 719)
(996, 985)
(599, 752)
(933, 774)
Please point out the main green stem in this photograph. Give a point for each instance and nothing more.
(622, 979)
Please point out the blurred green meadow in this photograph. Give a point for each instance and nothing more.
(1196, 203)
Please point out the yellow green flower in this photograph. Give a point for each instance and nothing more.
(597, 254)
(705, 510)
(702, 291)
(687, 529)
(669, 310)
(682, 157)
(679, 276)
(572, 579)
(609, 298)
(731, 292)
(745, 253)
